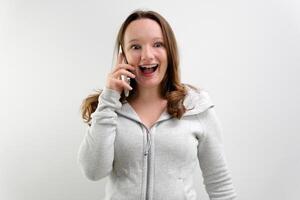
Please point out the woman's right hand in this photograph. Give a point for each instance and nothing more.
(114, 77)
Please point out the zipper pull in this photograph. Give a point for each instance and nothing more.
(148, 144)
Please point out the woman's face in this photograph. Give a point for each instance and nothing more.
(144, 48)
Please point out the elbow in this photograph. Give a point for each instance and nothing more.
(94, 173)
(95, 176)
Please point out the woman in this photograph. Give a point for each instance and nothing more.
(150, 142)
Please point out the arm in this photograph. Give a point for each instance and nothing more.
(96, 152)
(212, 161)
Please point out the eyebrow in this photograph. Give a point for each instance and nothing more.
(135, 40)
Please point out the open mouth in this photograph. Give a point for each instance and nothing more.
(148, 69)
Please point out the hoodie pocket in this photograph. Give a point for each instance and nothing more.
(182, 187)
(188, 192)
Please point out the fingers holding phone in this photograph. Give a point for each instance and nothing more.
(114, 80)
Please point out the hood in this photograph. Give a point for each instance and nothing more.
(196, 101)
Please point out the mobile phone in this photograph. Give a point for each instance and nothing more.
(124, 77)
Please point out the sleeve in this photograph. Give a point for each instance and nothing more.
(212, 161)
(96, 151)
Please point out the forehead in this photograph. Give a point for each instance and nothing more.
(142, 29)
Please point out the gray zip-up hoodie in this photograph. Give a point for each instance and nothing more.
(156, 163)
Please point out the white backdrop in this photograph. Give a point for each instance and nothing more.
(54, 53)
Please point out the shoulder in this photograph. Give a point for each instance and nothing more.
(197, 91)
(197, 99)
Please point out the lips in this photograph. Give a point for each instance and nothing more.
(148, 68)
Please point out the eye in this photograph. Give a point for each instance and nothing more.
(135, 46)
(158, 44)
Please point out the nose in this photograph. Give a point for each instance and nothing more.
(147, 53)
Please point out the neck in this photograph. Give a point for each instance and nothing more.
(148, 95)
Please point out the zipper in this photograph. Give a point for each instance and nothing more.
(148, 143)
(147, 153)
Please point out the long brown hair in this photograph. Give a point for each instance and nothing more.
(171, 87)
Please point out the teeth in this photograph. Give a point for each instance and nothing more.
(148, 66)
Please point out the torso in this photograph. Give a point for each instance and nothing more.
(149, 114)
